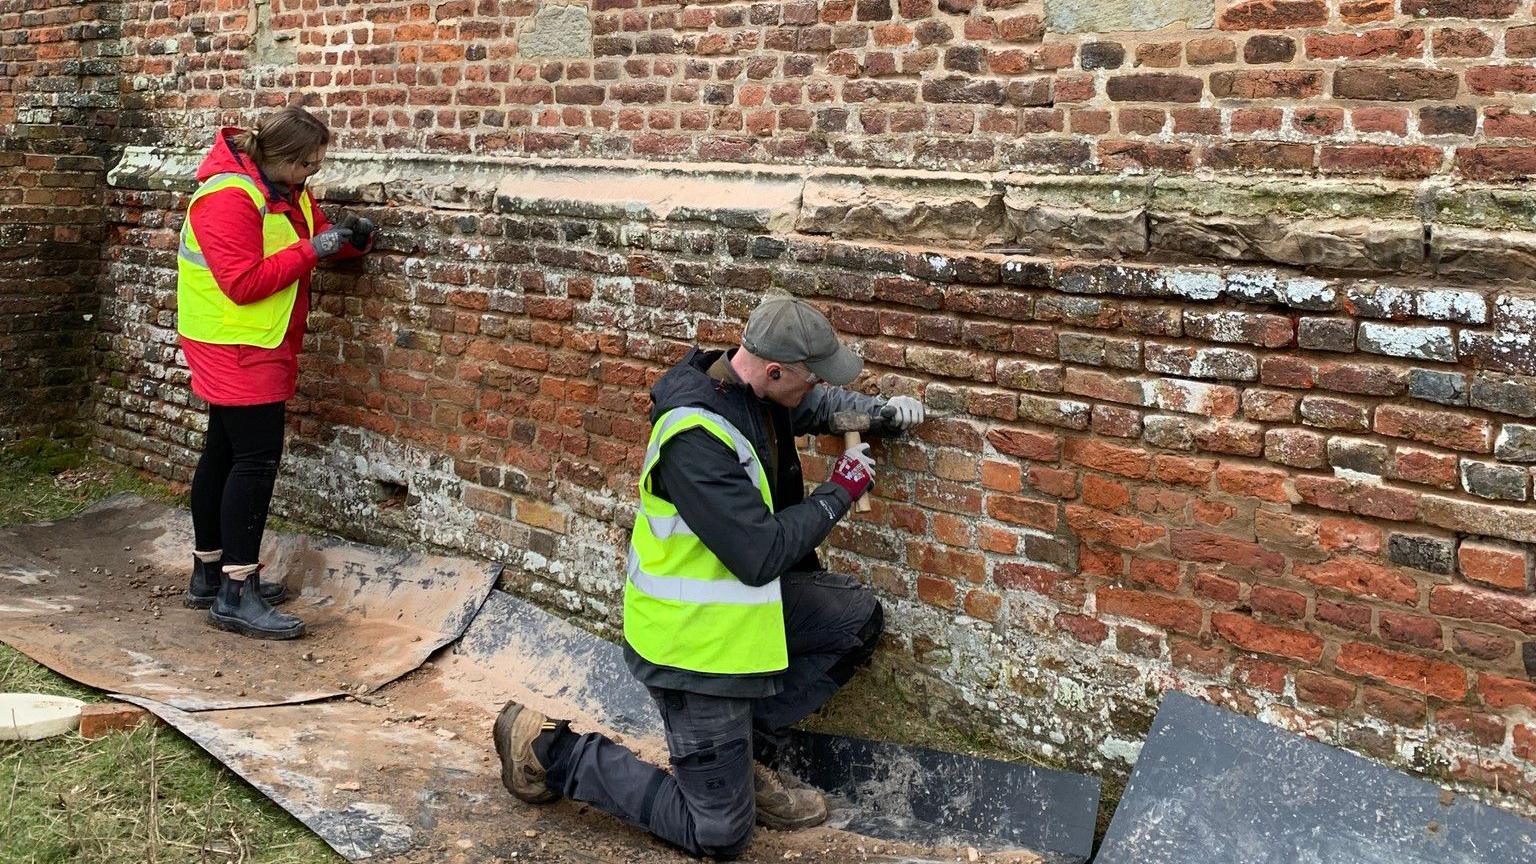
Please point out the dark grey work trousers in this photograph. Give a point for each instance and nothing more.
(706, 805)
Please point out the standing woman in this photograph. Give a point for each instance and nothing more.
(251, 240)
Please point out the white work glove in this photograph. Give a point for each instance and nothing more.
(902, 412)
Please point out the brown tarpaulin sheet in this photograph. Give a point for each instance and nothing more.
(97, 597)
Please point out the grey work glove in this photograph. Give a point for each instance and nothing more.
(900, 414)
(361, 228)
(328, 242)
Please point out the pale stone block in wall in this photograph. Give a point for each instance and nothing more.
(1338, 225)
(557, 30)
(1471, 253)
(760, 198)
(1097, 215)
(906, 206)
(272, 47)
(1488, 207)
(1110, 16)
(1355, 244)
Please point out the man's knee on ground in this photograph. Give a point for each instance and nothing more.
(725, 839)
(873, 628)
(869, 639)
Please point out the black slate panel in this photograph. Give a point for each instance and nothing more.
(1216, 787)
(932, 797)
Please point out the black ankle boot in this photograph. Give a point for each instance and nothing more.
(205, 585)
(239, 606)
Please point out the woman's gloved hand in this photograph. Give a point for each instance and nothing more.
(328, 242)
(361, 228)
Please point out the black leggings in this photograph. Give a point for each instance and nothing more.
(232, 488)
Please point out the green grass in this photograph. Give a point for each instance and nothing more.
(38, 481)
(149, 795)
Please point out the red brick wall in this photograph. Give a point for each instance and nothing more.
(52, 71)
(1302, 494)
(1348, 87)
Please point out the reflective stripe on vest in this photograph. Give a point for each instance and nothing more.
(204, 312)
(682, 607)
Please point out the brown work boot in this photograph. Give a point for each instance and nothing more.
(783, 807)
(515, 731)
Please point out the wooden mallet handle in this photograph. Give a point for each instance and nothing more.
(851, 440)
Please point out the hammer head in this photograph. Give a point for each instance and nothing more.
(850, 421)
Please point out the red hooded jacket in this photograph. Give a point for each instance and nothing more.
(228, 227)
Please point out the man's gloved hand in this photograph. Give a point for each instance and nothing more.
(328, 242)
(900, 414)
(854, 471)
(361, 228)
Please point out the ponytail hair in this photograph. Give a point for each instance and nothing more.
(289, 135)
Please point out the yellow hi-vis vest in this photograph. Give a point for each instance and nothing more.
(682, 607)
(205, 313)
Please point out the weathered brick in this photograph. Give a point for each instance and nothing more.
(1220, 363)
(1110, 458)
(1327, 412)
(1488, 9)
(1422, 552)
(1480, 604)
(1419, 343)
(1191, 397)
(1269, 48)
(1358, 454)
(1504, 394)
(1380, 301)
(1366, 379)
(1326, 334)
(1324, 690)
(1360, 578)
(1256, 636)
(1442, 428)
(1266, 331)
(1154, 87)
(1490, 480)
(1269, 405)
(1024, 444)
(1432, 385)
(1367, 45)
(1105, 386)
(1431, 677)
(1409, 629)
(1516, 443)
(1230, 436)
(1299, 448)
(1424, 466)
(1406, 84)
(1266, 84)
(1120, 532)
(1495, 565)
(1221, 549)
(1207, 50)
(1096, 350)
(1169, 613)
(1052, 481)
(1273, 15)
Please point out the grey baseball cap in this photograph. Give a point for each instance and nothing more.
(790, 330)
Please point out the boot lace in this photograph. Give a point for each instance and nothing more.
(769, 779)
